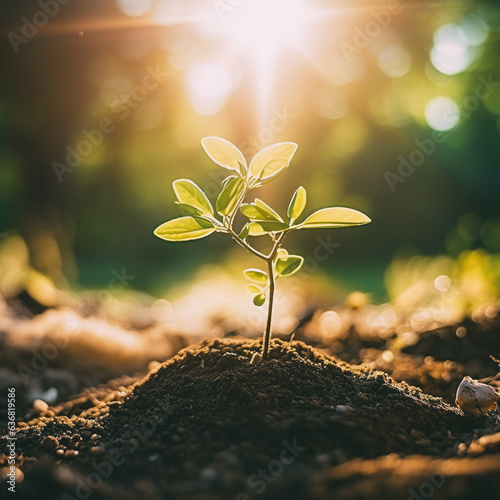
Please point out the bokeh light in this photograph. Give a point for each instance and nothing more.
(442, 113)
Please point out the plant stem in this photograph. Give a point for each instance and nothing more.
(272, 283)
(245, 245)
(267, 334)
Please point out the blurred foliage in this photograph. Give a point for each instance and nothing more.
(353, 118)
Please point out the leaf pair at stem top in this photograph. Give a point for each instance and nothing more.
(201, 219)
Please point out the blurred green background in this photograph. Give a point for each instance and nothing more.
(395, 107)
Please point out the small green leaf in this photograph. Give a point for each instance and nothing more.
(184, 229)
(260, 211)
(242, 170)
(335, 217)
(260, 299)
(267, 210)
(263, 227)
(256, 275)
(250, 210)
(245, 232)
(270, 161)
(224, 153)
(297, 204)
(189, 193)
(289, 265)
(228, 197)
(253, 288)
(188, 209)
(224, 182)
(282, 253)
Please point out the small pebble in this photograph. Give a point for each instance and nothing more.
(40, 406)
(50, 443)
(96, 450)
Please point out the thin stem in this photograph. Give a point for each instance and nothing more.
(272, 283)
(245, 245)
(267, 334)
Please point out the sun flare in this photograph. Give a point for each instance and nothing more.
(261, 32)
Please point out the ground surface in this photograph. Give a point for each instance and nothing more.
(208, 424)
(135, 408)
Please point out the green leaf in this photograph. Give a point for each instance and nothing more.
(228, 197)
(188, 209)
(242, 170)
(289, 265)
(224, 153)
(335, 217)
(260, 299)
(184, 229)
(256, 275)
(264, 227)
(270, 161)
(253, 288)
(282, 253)
(245, 231)
(189, 193)
(297, 204)
(250, 210)
(224, 182)
(267, 210)
(260, 211)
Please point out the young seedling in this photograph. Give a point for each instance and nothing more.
(201, 219)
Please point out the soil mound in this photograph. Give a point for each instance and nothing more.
(209, 424)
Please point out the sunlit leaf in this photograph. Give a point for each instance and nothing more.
(242, 170)
(188, 209)
(264, 227)
(282, 253)
(269, 162)
(267, 210)
(184, 229)
(259, 211)
(250, 210)
(297, 204)
(256, 275)
(289, 265)
(224, 183)
(260, 299)
(188, 193)
(245, 232)
(228, 197)
(224, 153)
(253, 288)
(335, 217)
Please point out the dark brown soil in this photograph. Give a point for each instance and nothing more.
(207, 424)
